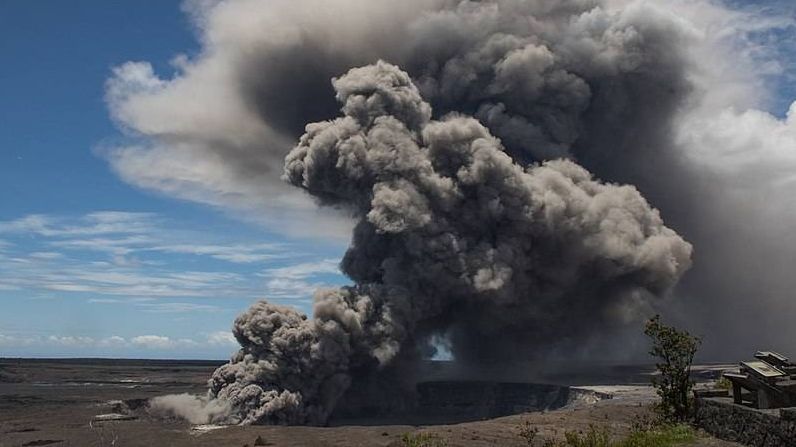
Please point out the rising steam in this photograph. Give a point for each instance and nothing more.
(453, 237)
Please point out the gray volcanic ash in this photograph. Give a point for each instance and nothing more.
(453, 238)
(684, 99)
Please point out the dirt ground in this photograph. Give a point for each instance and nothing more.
(56, 403)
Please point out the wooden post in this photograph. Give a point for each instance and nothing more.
(736, 392)
(763, 399)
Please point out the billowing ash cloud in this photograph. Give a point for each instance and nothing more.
(545, 77)
(453, 237)
(667, 95)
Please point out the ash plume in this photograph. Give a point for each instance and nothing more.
(671, 96)
(194, 409)
(668, 95)
(452, 237)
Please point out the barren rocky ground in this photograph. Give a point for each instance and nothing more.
(58, 403)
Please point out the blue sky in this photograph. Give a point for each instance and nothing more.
(90, 265)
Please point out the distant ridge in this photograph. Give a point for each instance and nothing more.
(113, 361)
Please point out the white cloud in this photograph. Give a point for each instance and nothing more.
(127, 282)
(123, 233)
(14, 341)
(105, 300)
(237, 253)
(154, 342)
(305, 270)
(97, 223)
(157, 307)
(8, 286)
(752, 145)
(735, 64)
(149, 341)
(134, 255)
(290, 288)
(45, 255)
(133, 78)
(151, 305)
(116, 246)
(293, 281)
(113, 341)
(116, 343)
(222, 338)
(70, 341)
(181, 129)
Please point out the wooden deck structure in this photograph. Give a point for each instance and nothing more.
(767, 382)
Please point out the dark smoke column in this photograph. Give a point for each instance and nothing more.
(453, 237)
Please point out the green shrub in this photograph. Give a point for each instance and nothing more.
(723, 384)
(663, 436)
(594, 437)
(667, 435)
(422, 440)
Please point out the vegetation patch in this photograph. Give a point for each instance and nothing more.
(663, 436)
(420, 439)
(669, 435)
(723, 384)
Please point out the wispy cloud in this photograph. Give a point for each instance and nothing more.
(305, 269)
(150, 268)
(152, 305)
(299, 280)
(118, 246)
(97, 223)
(117, 281)
(123, 233)
(238, 253)
(121, 254)
(158, 307)
(45, 255)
